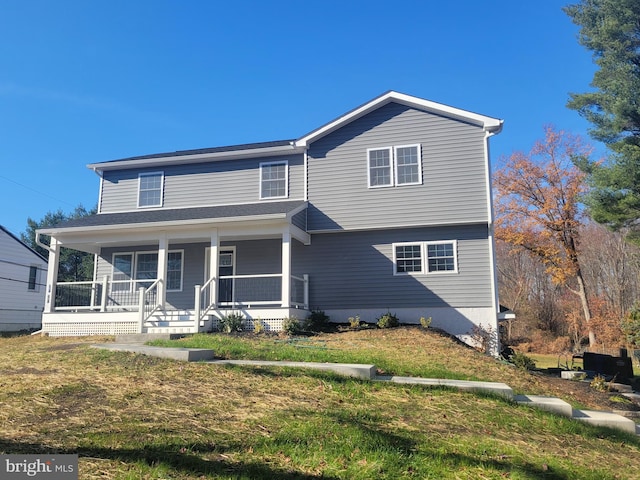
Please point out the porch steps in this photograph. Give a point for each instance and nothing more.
(368, 372)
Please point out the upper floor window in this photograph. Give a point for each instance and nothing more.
(150, 187)
(274, 180)
(400, 165)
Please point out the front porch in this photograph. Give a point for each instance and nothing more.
(129, 307)
(178, 276)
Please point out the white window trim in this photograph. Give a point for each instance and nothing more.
(134, 266)
(286, 178)
(181, 252)
(455, 257)
(149, 174)
(425, 260)
(391, 168)
(395, 259)
(394, 166)
(36, 283)
(395, 163)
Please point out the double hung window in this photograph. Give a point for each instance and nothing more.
(150, 189)
(425, 257)
(394, 166)
(274, 180)
(145, 267)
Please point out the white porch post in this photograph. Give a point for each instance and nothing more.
(52, 276)
(286, 268)
(214, 259)
(162, 270)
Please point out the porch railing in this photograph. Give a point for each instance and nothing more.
(108, 295)
(250, 291)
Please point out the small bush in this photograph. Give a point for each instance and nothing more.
(523, 362)
(291, 326)
(388, 320)
(425, 322)
(354, 322)
(600, 384)
(232, 322)
(258, 326)
(318, 321)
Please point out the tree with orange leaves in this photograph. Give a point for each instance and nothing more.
(538, 208)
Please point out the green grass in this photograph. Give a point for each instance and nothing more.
(136, 417)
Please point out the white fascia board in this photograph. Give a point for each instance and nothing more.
(196, 158)
(487, 123)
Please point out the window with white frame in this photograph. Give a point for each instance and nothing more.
(150, 189)
(174, 271)
(122, 272)
(441, 257)
(274, 180)
(394, 166)
(425, 257)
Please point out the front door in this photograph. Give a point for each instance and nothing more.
(226, 267)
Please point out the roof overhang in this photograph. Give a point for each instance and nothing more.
(170, 159)
(489, 124)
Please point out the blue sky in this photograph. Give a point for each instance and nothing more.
(90, 81)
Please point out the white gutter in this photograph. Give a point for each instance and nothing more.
(40, 244)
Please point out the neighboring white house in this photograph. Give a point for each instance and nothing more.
(22, 284)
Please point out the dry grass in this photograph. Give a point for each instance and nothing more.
(135, 417)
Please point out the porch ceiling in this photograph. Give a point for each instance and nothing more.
(263, 220)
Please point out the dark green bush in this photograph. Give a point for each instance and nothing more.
(388, 320)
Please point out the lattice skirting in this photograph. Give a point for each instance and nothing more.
(78, 329)
(268, 324)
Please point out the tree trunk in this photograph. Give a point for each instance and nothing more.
(582, 294)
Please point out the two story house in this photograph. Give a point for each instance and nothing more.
(22, 275)
(386, 208)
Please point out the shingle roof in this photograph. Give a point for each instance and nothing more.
(172, 215)
(200, 151)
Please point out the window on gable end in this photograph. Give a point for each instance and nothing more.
(150, 189)
(274, 180)
(408, 165)
(379, 167)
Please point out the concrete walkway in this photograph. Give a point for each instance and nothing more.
(368, 372)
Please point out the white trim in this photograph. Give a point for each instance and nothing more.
(151, 174)
(391, 169)
(424, 258)
(488, 123)
(455, 257)
(181, 252)
(418, 147)
(133, 266)
(286, 179)
(99, 209)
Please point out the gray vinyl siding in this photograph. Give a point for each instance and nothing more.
(355, 270)
(453, 173)
(252, 257)
(200, 184)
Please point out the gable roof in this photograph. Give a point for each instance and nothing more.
(289, 147)
(35, 252)
(489, 124)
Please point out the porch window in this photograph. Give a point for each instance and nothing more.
(441, 257)
(122, 271)
(273, 180)
(174, 271)
(146, 267)
(150, 186)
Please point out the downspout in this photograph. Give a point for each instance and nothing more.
(40, 244)
(490, 225)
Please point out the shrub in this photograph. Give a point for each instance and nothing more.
(258, 326)
(354, 322)
(318, 321)
(291, 325)
(425, 322)
(523, 362)
(232, 322)
(388, 320)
